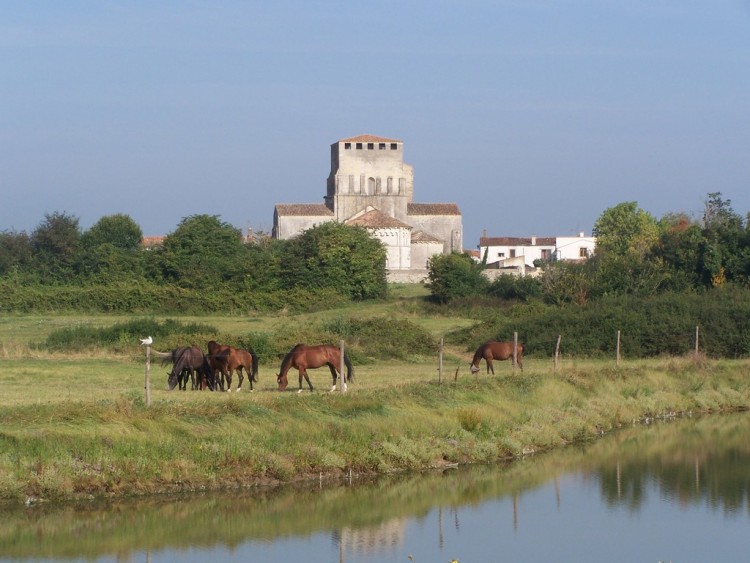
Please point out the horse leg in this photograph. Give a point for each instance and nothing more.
(303, 373)
(239, 379)
(490, 367)
(333, 375)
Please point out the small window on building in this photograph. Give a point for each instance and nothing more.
(394, 146)
(347, 145)
(546, 254)
(381, 146)
(512, 252)
(359, 146)
(370, 146)
(583, 252)
(501, 254)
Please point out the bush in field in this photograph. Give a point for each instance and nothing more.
(384, 338)
(125, 335)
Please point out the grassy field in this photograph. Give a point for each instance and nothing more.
(74, 425)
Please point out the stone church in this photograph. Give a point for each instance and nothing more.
(370, 185)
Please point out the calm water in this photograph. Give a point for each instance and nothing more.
(674, 491)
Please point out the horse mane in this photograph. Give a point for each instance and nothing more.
(288, 357)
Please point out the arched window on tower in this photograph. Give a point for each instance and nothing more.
(371, 186)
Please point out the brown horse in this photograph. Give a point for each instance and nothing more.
(227, 359)
(492, 350)
(187, 362)
(303, 357)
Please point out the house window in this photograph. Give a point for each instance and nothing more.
(370, 146)
(359, 145)
(381, 146)
(512, 252)
(394, 146)
(546, 254)
(583, 252)
(347, 145)
(501, 254)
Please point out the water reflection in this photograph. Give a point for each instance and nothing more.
(691, 462)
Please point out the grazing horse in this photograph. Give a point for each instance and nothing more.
(226, 360)
(187, 362)
(303, 357)
(492, 350)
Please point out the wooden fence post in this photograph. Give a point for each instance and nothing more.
(148, 375)
(557, 350)
(341, 368)
(440, 362)
(515, 351)
(618, 347)
(696, 342)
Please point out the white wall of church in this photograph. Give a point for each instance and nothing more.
(290, 227)
(422, 252)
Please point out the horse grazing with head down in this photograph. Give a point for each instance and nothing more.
(188, 362)
(303, 357)
(492, 350)
(227, 359)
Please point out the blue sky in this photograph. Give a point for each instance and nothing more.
(534, 116)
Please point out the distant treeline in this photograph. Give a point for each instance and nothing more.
(205, 265)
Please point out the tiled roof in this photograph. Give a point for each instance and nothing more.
(375, 219)
(148, 242)
(421, 236)
(432, 209)
(369, 139)
(309, 209)
(516, 241)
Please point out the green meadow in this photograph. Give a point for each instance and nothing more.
(75, 424)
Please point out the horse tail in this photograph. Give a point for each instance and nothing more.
(349, 368)
(254, 372)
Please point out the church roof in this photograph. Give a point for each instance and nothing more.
(309, 209)
(516, 241)
(369, 139)
(421, 236)
(432, 209)
(375, 219)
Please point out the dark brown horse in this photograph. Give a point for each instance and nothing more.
(492, 350)
(227, 359)
(187, 363)
(303, 357)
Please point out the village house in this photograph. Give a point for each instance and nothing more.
(370, 185)
(517, 255)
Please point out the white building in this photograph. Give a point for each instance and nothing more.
(517, 254)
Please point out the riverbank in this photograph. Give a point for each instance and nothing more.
(58, 444)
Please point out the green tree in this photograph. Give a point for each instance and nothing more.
(202, 252)
(337, 256)
(680, 247)
(625, 238)
(625, 229)
(55, 244)
(455, 275)
(119, 230)
(15, 251)
(726, 254)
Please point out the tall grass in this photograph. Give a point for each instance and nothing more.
(82, 427)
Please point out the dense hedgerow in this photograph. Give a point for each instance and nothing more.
(650, 326)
